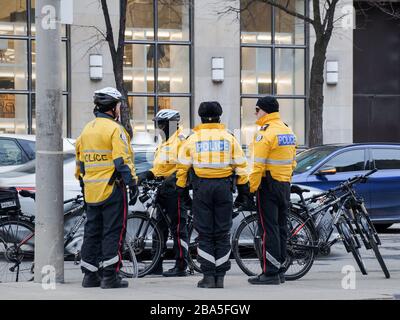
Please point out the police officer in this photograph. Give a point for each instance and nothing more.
(164, 167)
(215, 156)
(105, 162)
(274, 151)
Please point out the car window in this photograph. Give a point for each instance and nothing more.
(309, 158)
(386, 158)
(348, 161)
(10, 153)
(29, 147)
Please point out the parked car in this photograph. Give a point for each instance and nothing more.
(17, 150)
(326, 166)
(19, 173)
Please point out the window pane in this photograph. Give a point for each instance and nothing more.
(64, 64)
(64, 106)
(293, 114)
(139, 20)
(13, 17)
(288, 29)
(13, 64)
(348, 161)
(256, 71)
(255, 22)
(386, 158)
(142, 114)
(13, 113)
(139, 68)
(180, 104)
(290, 71)
(173, 20)
(173, 69)
(10, 153)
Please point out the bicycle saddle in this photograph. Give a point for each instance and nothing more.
(296, 189)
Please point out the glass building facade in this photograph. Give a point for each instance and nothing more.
(157, 62)
(273, 62)
(18, 68)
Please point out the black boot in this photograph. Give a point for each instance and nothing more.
(282, 277)
(91, 280)
(265, 279)
(219, 281)
(113, 281)
(206, 282)
(175, 272)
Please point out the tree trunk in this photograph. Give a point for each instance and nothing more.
(316, 101)
(119, 81)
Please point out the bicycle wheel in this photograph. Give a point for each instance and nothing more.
(193, 244)
(244, 242)
(369, 235)
(301, 241)
(349, 243)
(129, 265)
(16, 250)
(144, 236)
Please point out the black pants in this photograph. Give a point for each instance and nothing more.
(104, 235)
(273, 200)
(212, 217)
(177, 214)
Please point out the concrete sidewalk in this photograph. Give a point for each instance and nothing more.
(318, 284)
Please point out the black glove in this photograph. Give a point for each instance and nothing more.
(133, 193)
(82, 185)
(147, 175)
(243, 198)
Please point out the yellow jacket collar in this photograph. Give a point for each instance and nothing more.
(209, 126)
(268, 118)
(173, 137)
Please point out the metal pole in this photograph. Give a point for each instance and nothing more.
(49, 229)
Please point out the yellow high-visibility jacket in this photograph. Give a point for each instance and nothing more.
(213, 152)
(103, 147)
(166, 156)
(273, 149)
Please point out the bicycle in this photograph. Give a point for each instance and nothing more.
(144, 233)
(17, 232)
(342, 208)
(247, 245)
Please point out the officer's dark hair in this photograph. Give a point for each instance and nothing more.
(211, 120)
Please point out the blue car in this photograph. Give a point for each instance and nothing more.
(326, 166)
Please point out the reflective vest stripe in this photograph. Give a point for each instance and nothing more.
(97, 151)
(274, 162)
(105, 164)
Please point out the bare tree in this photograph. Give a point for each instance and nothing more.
(322, 21)
(117, 57)
(117, 49)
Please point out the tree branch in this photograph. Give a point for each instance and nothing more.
(286, 9)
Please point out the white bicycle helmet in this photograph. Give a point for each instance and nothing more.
(167, 115)
(107, 97)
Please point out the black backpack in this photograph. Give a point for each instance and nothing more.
(9, 201)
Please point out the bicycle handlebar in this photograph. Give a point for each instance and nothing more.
(344, 185)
